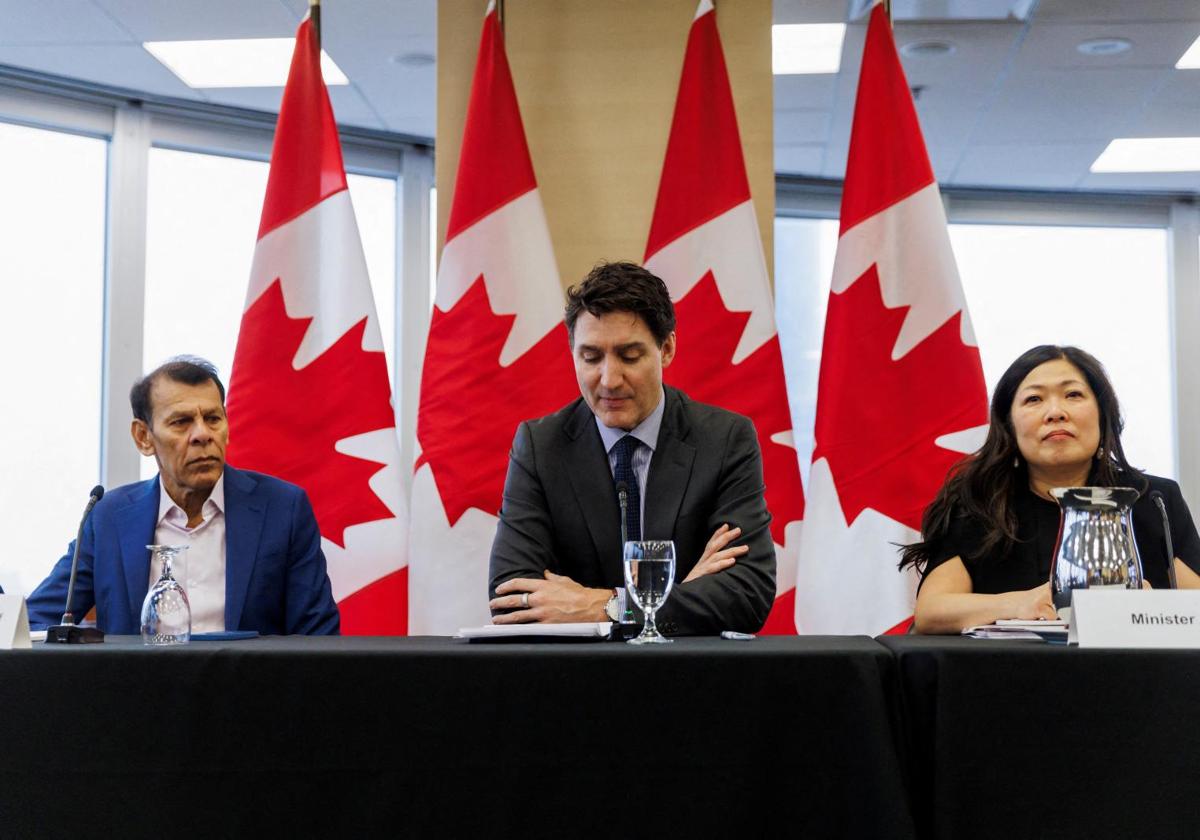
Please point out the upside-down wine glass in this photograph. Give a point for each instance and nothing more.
(166, 613)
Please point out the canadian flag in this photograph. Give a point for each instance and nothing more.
(309, 397)
(497, 352)
(705, 244)
(901, 395)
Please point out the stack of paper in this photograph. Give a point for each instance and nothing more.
(583, 630)
(1016, 628)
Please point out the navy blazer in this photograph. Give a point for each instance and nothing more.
(275, 577)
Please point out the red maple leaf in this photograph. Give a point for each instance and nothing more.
(471, 405)
(781, 620)
(378, 609)
(878, 418)
(285, 422)
(708, 333)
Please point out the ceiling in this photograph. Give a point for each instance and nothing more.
(1015, 106)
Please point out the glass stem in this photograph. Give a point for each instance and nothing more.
(650, 629)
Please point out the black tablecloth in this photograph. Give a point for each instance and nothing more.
(437, 737)
(1026, 739)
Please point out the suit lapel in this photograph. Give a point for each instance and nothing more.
(245, 513)
(135, 526)
(670, 471)
(592, 481)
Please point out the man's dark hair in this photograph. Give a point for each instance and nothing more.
(188, 370)
(622, 287)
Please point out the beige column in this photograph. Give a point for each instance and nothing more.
(596, 81)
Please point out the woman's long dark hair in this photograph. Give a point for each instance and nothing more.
(983, 486)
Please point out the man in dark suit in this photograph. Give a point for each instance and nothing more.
(693, 474)
(254, 559)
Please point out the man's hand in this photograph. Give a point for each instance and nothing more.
(555, 600)
(716, 556)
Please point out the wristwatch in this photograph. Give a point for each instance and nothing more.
(612, 609)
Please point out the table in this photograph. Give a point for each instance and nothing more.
(327, 737)
(1025, 739)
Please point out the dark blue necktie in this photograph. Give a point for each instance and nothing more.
(624, 450)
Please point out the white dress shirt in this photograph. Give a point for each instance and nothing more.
(203, 572)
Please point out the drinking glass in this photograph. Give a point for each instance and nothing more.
(166, 613)
(649, 576)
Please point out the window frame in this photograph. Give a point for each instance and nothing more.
(1176, 213)
(133, 124)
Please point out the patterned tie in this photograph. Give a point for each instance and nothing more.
(624, 450)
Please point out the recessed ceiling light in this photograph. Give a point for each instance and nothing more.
(1104, 46)
(1150, 154)
(928, 49)
(245, 62)
(1191, 58)
(806, 48)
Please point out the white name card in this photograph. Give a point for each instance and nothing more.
(1131, 618)
(14, 623)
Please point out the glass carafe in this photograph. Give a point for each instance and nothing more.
(166, 613)
(1095, 545)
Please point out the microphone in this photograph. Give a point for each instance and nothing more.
(1157, 497)
(623, 499)
(67, 631)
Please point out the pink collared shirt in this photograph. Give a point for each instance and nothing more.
(203, 575)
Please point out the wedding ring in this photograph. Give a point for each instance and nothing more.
(525, 600)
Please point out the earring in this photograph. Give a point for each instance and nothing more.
(1100, 453)
(1016, 462)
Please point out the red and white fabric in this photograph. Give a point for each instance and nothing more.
(704, 243)
(901, 395)
(309, 395)
(496, 355)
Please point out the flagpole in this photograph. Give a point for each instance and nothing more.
(500, 15)
(314, 12)
(887, 10)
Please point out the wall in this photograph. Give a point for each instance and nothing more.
(596, 83)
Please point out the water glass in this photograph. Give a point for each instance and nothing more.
(649, 576)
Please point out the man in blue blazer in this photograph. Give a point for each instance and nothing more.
(255, 559)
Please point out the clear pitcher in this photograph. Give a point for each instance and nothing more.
(1095, 545)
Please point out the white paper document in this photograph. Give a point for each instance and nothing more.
(582, 630)
(1016, 628)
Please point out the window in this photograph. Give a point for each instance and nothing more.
(804, 250)
(203, 215)
(51, 340)
(1104, 289)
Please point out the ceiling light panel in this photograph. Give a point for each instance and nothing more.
(1191, 58)
(245, 62)
(1150, 154)
(806, 48)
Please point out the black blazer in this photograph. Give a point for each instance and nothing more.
(560, 511)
